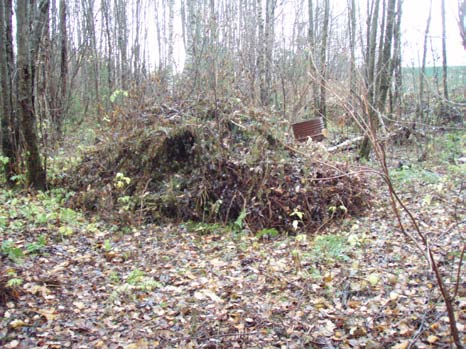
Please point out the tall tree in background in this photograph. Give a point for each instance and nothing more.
(318, 37)
(267, 44)
(171, 36)
(444, 52)
(312, 41)
(369, 71)
(90, 44)
(396, 87)
(121, 23)
(352, 48)
(462, 20)
(52, 72)
(63, 95)
(9, 129)
(108, 38)
(379, 65)
(322, 107)
(422, 75)
(29, 31)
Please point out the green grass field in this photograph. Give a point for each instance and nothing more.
(456, 77)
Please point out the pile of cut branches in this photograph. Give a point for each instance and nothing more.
(213, 170)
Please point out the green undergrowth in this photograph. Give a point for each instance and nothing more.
(30, 223)
(444, 162)
(414, 173)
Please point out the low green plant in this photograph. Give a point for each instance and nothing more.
(19, 179)
(13, 280)
(3, 162)
(126, 202)
(138, 279)
(9, 249)
(107, 245)
(204, 228)
(331, 247)
(238, 224)
(114, 277)
(3, 222)
(299, 218)
(118, 96)
(37, 246)
(65, 231)
(67, 215)
(121, 181)
(267, 233)
(414, 173)
(452, 145)
(335, 210)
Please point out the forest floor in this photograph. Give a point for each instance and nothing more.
(70, 281)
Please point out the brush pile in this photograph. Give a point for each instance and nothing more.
(199, 163)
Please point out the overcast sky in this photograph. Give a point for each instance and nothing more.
(414, 24)
(415, 13)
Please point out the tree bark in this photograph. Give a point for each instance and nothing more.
(25, 61)
(462, 20)
(311, 37)
(422, 74)
(379, 77)
(323, 63)
(396, 68)
(269, 38)
(370, 80)
(444, 53)
(352, 43)
(7, 118)
(122, 41)
(108, 44)
(63, 88)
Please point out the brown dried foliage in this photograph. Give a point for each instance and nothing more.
(212, 169)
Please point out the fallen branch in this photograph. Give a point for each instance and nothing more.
(346, 145)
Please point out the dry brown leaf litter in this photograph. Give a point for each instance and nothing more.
(224, 291)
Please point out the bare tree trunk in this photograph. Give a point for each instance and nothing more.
(396, 68)
(462, 20)
(372, 27)
(171, 18)
(323, 63)
(420, 106)
(382, 76)
(7, 125)
(109, 45)
(444, 53)
(269, 39)
(63, 95)
(312, 54)
(213, 53)
(25, 61)
(370, 76)
(352, 43)
(90, 34)
(260, 65)
(386, 70)
(136, 56)
(122, 41)
(10, 60)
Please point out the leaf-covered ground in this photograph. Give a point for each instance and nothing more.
(71, 282)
